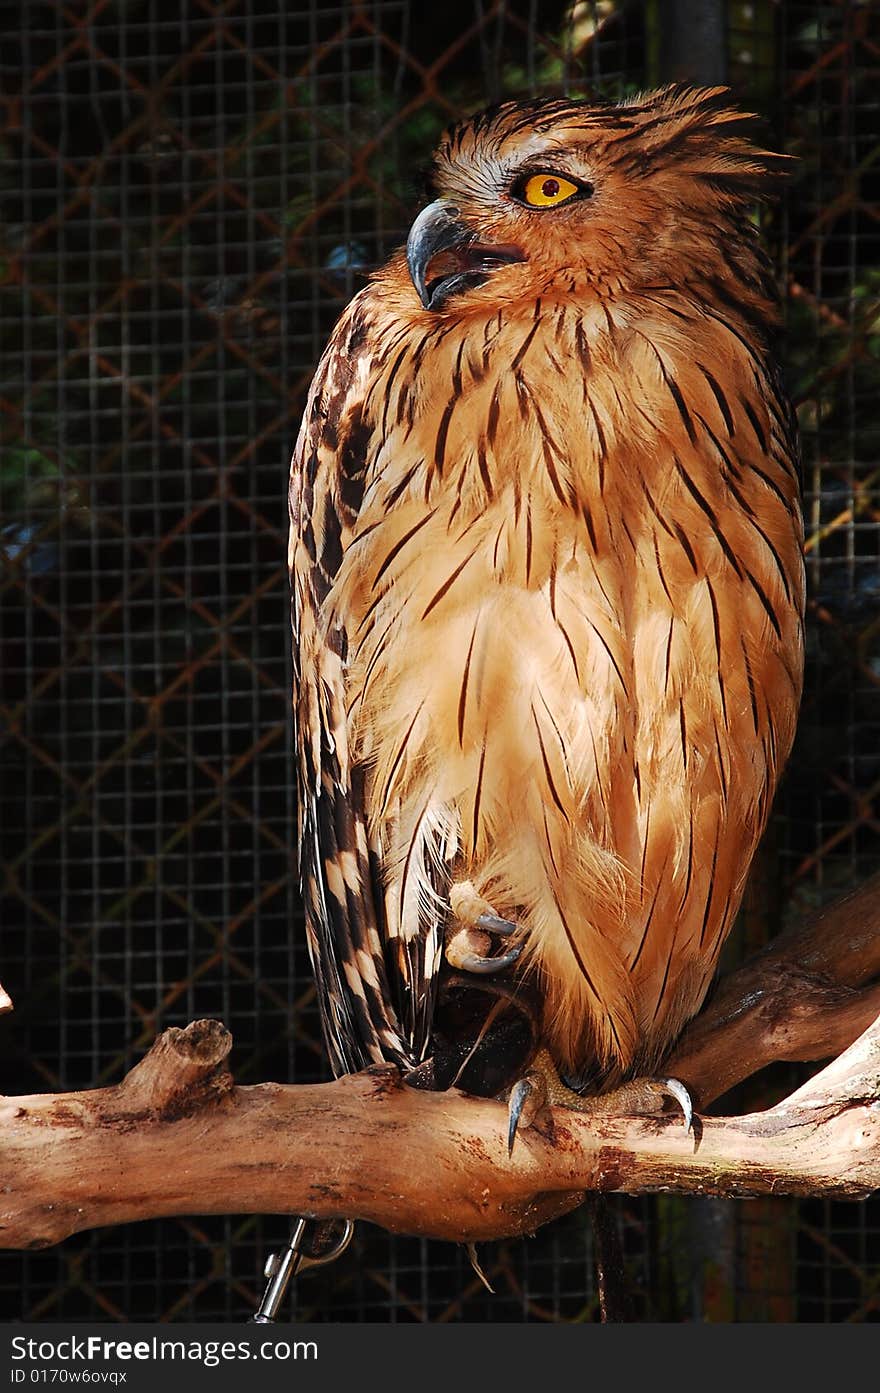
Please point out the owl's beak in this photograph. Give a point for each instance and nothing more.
(445, 258)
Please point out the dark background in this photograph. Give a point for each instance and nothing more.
(189, 192)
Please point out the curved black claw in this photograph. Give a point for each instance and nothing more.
(524, 1102)
(473, 962)
(520, 1094)
(493, 924)
(677, 1090)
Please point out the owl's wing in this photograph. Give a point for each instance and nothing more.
(375, 988)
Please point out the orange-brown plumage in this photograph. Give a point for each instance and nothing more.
(548, 589)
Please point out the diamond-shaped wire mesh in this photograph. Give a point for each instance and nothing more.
(188, 194)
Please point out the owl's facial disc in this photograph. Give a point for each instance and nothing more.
(445, 258)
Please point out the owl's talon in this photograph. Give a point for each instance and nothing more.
(493, 924)
(676, 1089)
(638, 1097)
(485, 966)
(468, 950)
(525, 1100)
(520, 1092)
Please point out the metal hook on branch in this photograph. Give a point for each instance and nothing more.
(281, 1268)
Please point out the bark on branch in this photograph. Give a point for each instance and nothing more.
(803, 998)
(178, 1137)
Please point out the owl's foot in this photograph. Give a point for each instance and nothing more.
(468, 945)
(542, 1086)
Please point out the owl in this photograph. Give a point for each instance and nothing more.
(547, 580)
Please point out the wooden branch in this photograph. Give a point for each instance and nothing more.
(797, 1000)
(177, 1137)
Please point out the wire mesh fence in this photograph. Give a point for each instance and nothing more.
(188, 195)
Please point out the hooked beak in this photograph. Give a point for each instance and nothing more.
(445, 258)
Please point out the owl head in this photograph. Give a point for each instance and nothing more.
(559, 197)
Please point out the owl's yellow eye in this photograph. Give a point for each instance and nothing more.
(547, 190)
